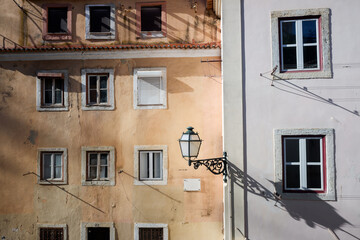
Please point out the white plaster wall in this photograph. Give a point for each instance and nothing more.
(281, 106)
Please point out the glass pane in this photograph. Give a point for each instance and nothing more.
(98, 233)
(289, 57)
(57, 172)
(103, 96)
(58, 159)
(58, 96)
(151, 18)
(292, 150)
(103, 82)
(292, 176)
(93, 95)
(48, 97)
(103, 172)
(310, 57)
(156, 165)
(313, 150)
(313, 176)
(92, 82)
(46, 166)
(58, 84)
(48, 83)
(144, 165)
(288, 33)
(100, 19)
(93, 159)
(92, 173)
(103, 159)
(309, 31)
(57, 20)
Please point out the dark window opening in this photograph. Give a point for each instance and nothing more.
(151, 18)
(51, 234)
(100, 19)
(151, 233)
(98, 233)
(57, 20)
(52, 91)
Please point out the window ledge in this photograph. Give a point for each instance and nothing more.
(98, 108)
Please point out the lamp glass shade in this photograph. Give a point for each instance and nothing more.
(190, 143)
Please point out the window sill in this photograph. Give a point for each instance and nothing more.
(98, 108)
(153, 106)
(52, 108)
(52, 182)
(152, 34)
(308, 74)
(100, 36)
(149, 182)
(99, 183)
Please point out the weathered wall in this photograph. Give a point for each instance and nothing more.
(183, 24)
(193, 99)
(288, 105)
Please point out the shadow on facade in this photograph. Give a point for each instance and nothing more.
(314, 213)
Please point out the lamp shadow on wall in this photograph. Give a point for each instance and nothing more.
(314, 213)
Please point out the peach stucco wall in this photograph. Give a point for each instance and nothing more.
(193, 98)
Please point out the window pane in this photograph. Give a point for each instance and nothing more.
(292, 176)
(309, 31)
(47, 166)
(103, 82)
(58, 159)
(57, 172)
(58, 96)
(59, 84)
(310, 57)
(97, 233)
(151, 18)
(57, 20)
(292, 150)
(93, 95)
(92, 82)
(151, 233)
(48, 97)
(103, 158)
(144, 165)
(92, 173)
(313, 150)
(103, 96)
(100, 19)
(48, 83)
(93, 159)
(103, 172)
(156, 165)
(313, 176)
(288, 33)
(289, 57)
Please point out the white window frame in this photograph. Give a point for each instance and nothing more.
(54, 107)
(151, 167)
(46, 225)
(85, 225)
(110, 181)
(324, 61)
(330, 191)
(61, 181)
(110, 105)
(98, 165)
(155, 72)
(106, 36)
(164, 226)
(303, 164)
(164, 170)
(299, 44)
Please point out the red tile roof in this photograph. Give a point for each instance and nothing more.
(53, 48)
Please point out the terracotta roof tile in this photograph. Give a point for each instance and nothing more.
(50, 48)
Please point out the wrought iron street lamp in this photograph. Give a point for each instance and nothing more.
(190, 143)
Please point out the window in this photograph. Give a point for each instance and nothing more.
(150, 88)
(52, 232)
(98, 165)
(96, 231)
(52, 165)
(151, 231)
(151, 19)
(57, 22)
(304, 163)
(100, 21)
(301, 43)
(150, 165)
(98, 89)
(52, 90)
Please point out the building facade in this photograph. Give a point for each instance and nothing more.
(94, 96)
(291, 119)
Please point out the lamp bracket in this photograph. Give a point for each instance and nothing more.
(215, 165)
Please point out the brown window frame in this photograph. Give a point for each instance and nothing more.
(53, 104)
(98, 166)
(88, 103)
(56, 36)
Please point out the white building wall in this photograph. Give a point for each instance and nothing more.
(287, 105)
